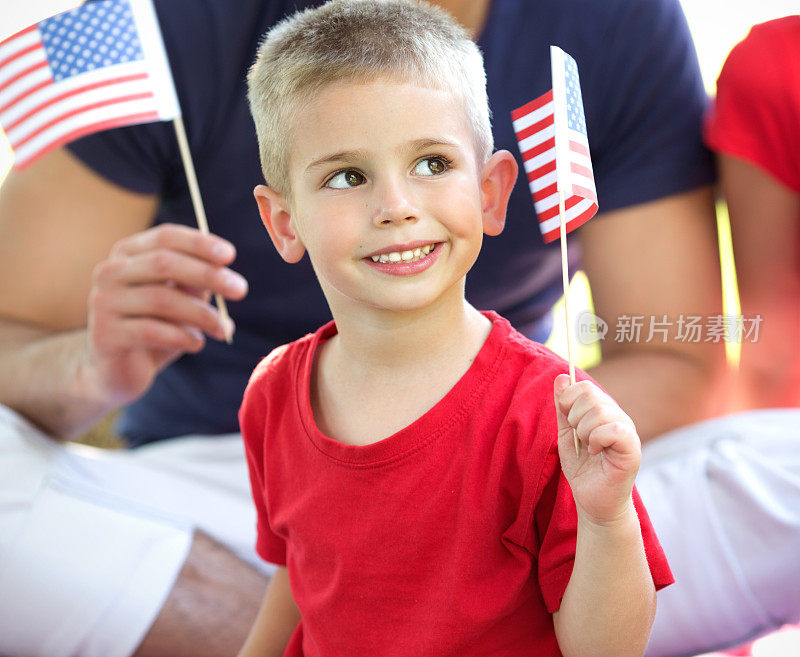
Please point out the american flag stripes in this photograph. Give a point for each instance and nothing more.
(96, 67)
(551, 131)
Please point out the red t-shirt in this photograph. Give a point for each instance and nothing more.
(756, 115)
(454, 536)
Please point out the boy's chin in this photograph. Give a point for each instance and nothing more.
(423, 305)
(383, 301)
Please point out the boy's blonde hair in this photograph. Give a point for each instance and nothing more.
(360, 41)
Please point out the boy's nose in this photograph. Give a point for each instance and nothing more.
(394, 204)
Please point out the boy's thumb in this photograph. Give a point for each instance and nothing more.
(559, 385)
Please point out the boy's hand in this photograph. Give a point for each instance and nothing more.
(602, 474)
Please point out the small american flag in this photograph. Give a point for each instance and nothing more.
(551, 132)
(99, 66)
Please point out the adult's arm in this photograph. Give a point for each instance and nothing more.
(651, 260)
(765, 228)
(92, 307)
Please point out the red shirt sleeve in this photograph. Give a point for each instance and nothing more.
(756, 113)
(556, 521)
(252, 421)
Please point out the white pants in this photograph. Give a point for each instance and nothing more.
(91, 541)
(724, 497)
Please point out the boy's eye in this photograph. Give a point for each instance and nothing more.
(431, 166)
(345, 179)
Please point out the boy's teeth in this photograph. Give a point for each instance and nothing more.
(404, 256)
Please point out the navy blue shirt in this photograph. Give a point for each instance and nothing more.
(643, 100)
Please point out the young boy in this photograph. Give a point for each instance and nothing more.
(414, 480)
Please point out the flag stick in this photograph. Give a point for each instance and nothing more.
(199, 210)
(565, 279)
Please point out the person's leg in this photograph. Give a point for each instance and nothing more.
(210, 609)
(93, 544)
(724, 498)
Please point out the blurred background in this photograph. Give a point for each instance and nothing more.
(717, 25)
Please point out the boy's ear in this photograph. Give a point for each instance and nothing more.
(497, 181)
(277, 218)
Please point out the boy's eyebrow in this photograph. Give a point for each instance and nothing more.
(429, 142)
(349, 156)
(337, 157)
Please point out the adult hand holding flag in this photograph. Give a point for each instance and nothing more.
(102, 65)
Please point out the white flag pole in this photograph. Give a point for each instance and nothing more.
(557, 65)
(144, 15)
(568, 321)
(199, 210)
(565, 280)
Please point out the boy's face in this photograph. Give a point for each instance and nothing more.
(388, 197)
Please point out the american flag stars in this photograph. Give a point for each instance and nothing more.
(102, 35)
(575, 115)
(96, 67)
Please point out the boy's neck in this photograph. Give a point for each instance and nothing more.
(400, 340)
(382, 372)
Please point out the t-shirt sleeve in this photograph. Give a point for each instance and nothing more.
(656, 559)
(645, 104)
(556, 520)
(140, 158)
(252, 421)
(755, 114)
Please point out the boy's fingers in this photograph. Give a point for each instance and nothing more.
(598, 420)
(618, 436)
(573, 392)
(587, 400)
(586, 416)
(560, 384)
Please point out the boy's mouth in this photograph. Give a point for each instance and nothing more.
(409, 255)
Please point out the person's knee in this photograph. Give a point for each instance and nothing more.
(211, 607)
